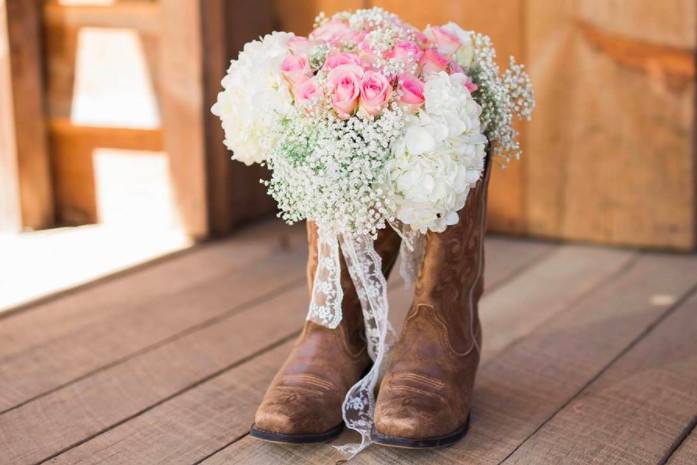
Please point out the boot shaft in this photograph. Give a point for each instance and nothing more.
(451, 278)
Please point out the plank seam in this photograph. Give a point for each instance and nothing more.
(631, 262)
(689, 428)
(521, 269)
(197, 327)
(651, 327)
(203, 380)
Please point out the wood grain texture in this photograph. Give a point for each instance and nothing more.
(118, 335)
(594, 175)
(635, 411)
(26, 197)
(124, 443)
(62, 419)
(523, 386)
(686, 453)
(56, 317)
(181, 85)
(189, 427)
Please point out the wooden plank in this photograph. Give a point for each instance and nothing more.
(568, 275)
(62, 419)
(635, 411)
(62, 28)
(142, 16)
(285, 312)
(298, 15)
(520, 388)
(55, 318)
(189, 427)
(183, 110)
(503, 21)
(72, 154)
(686, 453)
(143, 326)
(26, 199)
(635, 194)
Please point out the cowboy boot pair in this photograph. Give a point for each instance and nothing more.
(424, 398)
(304, 401)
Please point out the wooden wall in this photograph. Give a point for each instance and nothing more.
(186, 46)
(610, 155)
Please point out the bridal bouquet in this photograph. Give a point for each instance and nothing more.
(370, 123)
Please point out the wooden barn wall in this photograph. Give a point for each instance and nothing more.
(610, 154)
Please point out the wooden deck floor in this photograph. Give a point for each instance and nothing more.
(590, 357)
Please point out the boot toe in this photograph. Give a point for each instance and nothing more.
(297, 414)
(414, 417)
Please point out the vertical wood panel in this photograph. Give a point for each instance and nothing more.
(613, 143)
(297, 15)
(182, 102)
(235, 195)
(26, 199)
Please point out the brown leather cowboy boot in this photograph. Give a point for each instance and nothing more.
(424, 398)
(303, 403)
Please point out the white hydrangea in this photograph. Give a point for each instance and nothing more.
(440, 157)
(254, 98)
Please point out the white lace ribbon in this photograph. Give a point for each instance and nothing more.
(365, 267)
(327, 293)
(411, 253)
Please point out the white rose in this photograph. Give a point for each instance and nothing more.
(254, 98)
(464, 56)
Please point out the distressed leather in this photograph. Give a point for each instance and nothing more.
(306, 395)
(427, 389)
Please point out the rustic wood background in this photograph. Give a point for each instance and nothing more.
(609, 157)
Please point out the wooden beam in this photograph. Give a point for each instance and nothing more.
(26, 199)
(183, 110)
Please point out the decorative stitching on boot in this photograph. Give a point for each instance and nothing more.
(311, 380)
(433, 382)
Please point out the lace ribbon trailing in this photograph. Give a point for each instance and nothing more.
(365, 267)
(327, 293)
(411, 253)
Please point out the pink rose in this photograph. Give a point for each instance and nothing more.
(375, 92)
(421, 39)
(332, 31)
(454, 67)
(306, 91)
(299, 45)
(338, 59)
(433, 62)
(411, 90)
(296, 68)
(345, 84)
(445, 41)
(470, 85)
(406, 51)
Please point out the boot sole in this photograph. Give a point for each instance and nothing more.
(426, 443)
(309, 438)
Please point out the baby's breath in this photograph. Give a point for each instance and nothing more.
(329, 170)
(501, 97)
